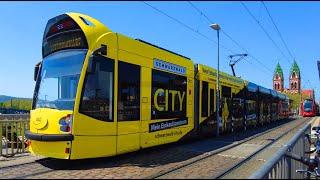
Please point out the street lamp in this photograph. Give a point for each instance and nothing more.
(217, 28)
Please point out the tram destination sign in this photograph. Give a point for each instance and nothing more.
(72, 40)
(167, 124)
(162, 65)
(62, 32)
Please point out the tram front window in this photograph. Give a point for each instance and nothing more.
(59, 79)
(307, 106)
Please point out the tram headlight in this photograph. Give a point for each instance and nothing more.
(66, 123)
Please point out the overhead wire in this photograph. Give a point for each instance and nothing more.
(210, 21)
(265, 31)
(232, 39)
(281, 37)
(186, 26)
(276, 27)
(195, 31)
(241, 47)
(206, 37)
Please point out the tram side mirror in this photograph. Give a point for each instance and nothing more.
(102, 50)
(36, 71)
(96, 53)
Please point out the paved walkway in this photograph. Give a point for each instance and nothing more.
(18, 159)
(316, 122)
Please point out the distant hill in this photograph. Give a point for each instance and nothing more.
(4, 98)
(17, 103)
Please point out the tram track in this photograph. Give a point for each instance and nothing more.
(184, 170)
(237, 165)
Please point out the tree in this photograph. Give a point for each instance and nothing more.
(22, 104)
(296, 99)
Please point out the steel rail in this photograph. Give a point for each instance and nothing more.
(243, 161)
(212, 153)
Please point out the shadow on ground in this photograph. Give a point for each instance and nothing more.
(157, 156)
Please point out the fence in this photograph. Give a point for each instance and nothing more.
(12, 129)
(14, 117)
(283, 167)
(13, 111)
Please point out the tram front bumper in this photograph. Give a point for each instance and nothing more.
(48, 137)
(50, 145)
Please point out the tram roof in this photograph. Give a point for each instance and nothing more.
(140, 40)
(282, 96)
(223, 75)
(252, 87)
(264, 90)
(274, 93)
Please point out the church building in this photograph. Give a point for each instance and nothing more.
(294, 79)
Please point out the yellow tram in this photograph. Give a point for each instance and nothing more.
(99, 93)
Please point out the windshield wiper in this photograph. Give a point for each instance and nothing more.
(49, 107)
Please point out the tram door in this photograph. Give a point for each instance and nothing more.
(225, 107)
(128, 128)
(212, 103)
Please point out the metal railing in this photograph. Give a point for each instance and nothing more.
(282, 167)
(12, 130)
(14, 117)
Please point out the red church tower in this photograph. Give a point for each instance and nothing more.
(295, 79)
(278, 79)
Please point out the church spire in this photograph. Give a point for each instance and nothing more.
(278, 79)
(295, 69)
(295, 78)
(278, 71)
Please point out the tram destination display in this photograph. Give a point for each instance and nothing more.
(62, 33)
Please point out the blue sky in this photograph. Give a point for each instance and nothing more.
(23, 23)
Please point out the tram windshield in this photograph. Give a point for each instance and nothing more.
(307, 106)
(59, 79)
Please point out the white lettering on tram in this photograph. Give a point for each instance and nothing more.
(167, 124)
(162, 65)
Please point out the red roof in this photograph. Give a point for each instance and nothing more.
(308, 92)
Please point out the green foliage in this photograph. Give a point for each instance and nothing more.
(23, 104)
(296, 99)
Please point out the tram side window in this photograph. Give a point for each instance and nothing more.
(226, 92)
(128, 92)
(205, 99)
(273, 108)
(97, 95)
(251, 107)
(237, 104)
(169, 95)
(237, 108)
(226, 98)
(211, 101)
(266, 108)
